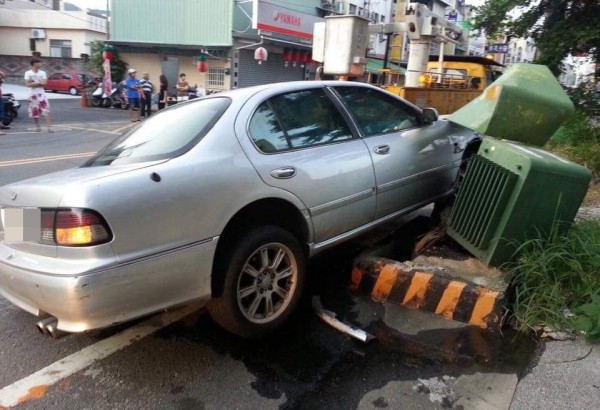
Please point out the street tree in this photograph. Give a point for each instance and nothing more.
(117, 66)
(559, 27)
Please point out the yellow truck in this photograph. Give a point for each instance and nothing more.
(461, 80)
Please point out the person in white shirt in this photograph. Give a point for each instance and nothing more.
(35, 79)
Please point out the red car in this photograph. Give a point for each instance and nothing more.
(67, 81)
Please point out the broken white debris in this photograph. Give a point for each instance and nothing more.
(329, 317)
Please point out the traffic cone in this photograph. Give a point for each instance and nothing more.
(84, 100)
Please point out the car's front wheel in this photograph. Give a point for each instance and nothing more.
(73, 91)
(263, 283)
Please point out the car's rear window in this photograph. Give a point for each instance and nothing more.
(166, 135)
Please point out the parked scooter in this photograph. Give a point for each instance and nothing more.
(119, 97)
(11, 108)
(195, 92)
(192, 92)
(116, 98)
(101, 98)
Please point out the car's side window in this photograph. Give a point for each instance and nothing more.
(66, 77)
(265, 130)
(376, 112)
(55, 77)
(297, 120)
(310, 118)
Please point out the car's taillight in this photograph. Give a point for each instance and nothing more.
(74, 227)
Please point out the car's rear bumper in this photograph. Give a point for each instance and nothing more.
(113, 294)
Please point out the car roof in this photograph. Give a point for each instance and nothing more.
(286, 86)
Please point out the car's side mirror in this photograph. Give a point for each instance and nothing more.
(430, 115)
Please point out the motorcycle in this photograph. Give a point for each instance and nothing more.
(117, 97)
(11, 108)
(192, 92)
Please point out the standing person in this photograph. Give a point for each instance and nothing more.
(147, 89)
(133, 95)
(2, 126)
(163, 93)
(38, 103)
(182, 88)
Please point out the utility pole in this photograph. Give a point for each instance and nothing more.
(107, 20)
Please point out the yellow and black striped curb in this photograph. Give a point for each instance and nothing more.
(420, 288)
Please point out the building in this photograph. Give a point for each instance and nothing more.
(508, 51)
(520, 50)
(45, 27)
(60, 35)
(168, 38)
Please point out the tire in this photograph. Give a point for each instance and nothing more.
(106, 103)
(96, 102)
(73, 91)
(124, 104)
(258, 295)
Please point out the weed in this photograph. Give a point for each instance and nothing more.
(558, 272)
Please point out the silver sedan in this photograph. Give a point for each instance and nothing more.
(221, 199)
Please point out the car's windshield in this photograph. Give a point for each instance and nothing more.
(167, 135)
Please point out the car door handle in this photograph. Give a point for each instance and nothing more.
(283, 173)
(382, 149)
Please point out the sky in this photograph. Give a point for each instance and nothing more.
(88, 4)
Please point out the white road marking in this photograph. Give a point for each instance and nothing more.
(44, 159)
(119, 130)
(35, 385)
(71, 127)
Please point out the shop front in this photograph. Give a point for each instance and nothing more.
(285, 38)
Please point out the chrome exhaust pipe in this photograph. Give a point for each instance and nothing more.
(52, 329)
(49, 327)
(42, 324)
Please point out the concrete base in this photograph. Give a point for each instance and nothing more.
(437, 289)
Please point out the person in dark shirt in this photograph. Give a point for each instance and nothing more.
(163, 93)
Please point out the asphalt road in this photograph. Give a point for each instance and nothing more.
(193, 364)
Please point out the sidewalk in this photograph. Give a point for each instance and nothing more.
(22, 93)
(567, 376)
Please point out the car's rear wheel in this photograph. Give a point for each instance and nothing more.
(263, 283)
(73, 91)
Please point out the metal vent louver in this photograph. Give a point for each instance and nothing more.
(487, 188)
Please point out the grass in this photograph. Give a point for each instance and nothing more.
(561, 272)
(557, 273)
(579, 138)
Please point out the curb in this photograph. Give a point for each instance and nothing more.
(418, 287)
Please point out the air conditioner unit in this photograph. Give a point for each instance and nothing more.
(38, 33)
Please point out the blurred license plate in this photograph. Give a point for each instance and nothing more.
(21, 224)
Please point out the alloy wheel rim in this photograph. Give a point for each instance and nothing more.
(267, 283)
